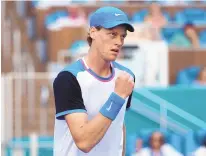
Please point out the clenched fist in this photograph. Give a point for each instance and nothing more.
(124, 85)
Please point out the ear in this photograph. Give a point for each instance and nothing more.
(93, 33)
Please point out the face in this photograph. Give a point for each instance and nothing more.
(203, 74)
(156, 140)
(155, 9)
(73, 10)
(190, 32)
(108, 42)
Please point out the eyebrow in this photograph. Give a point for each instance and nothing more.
(112, 30)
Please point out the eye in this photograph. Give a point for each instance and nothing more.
(123, 36)
(112, 34)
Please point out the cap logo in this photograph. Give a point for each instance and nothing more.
(117, 14)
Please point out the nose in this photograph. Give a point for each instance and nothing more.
(119, 41)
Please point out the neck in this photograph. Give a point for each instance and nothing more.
(97, 64)
(156, 150)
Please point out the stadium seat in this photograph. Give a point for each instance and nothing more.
(179, 18)
(139, 16)
(189, 143)
(194, 15)
(167, 33)
(199, 136)
(188, 75)
(177, 142)
(53, 17)
(167, 16)
(131, 144)
(202, 36)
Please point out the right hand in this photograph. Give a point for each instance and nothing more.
(124, 85)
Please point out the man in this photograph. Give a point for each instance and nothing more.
(158, 147)
(92, 94)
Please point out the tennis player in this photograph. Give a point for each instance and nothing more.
(93, 93)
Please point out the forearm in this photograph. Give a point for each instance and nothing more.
(87, 133)
(93, 131)
(96, 128)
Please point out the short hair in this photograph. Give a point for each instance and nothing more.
(162, 139)
(188, 25)
(89, 39)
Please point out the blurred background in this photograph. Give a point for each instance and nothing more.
(167, 53)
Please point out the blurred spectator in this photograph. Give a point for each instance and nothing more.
(201, 151)
(201, 80)
(158, 147)
(187, 39)
(73, 17)
(156, 17)
(139, 145)
(76, 15)
(143, 31)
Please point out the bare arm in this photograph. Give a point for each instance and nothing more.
(87, 134)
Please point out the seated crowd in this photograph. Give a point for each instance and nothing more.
(161, 144)
(184, 28)
(193, 76)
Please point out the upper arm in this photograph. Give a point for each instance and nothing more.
(69, 102)
(75, 122)
(68, 96)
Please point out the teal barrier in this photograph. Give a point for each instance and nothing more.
(135, 122)
(45, 144)
(190, 99)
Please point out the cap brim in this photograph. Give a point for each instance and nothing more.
(117, 23)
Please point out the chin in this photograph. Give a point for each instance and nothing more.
(112, 58)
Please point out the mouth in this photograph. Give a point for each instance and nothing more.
(115, 50)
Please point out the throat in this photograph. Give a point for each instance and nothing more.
(101, 69)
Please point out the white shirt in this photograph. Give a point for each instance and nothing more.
(87, 92)
(201, 151)
(166, 150)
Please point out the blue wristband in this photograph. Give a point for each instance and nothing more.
(112, 107)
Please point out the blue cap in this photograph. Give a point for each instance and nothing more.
(109, 17)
